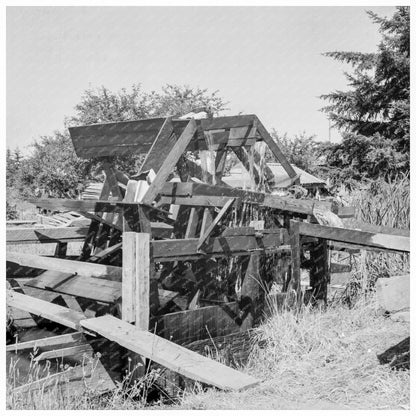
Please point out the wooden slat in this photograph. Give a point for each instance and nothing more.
(218, 246)
(60, 340)
(161, 147)
(170, 162)
(65, 266)
(381, 241)
(207, 232)
(295, 257)
(64, 352)
(170, 355)
(55, 313)
(82, 286)
(275, 149)
(45, 235)
(136, 279)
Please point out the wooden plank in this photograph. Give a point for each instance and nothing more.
(64, 352)
(295, 264)
(195, 201)
(43, 309)
(105, 253)
(65, 266)
(381, 241)
(371, 228)
(136, 279)
(276, 150)
(120, 138)
(82, 286)
(170, 355)
(161, 147)
(220, 159)
(170, 250)
(73, 337)
(207, 232)
(192, 223)
(45, 235)
(244, 158)
(170, 162)
(319, 273)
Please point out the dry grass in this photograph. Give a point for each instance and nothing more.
(319, 359)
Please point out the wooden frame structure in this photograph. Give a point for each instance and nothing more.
(185, 277)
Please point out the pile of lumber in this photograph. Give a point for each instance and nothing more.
(172, 256)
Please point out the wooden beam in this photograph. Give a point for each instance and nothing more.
(65, 352)
(161, 147)
(170, 355)
(100, 290)
(136, 279)
(242, 155)
(170, 162)
(370, 240)
(276, 150)
(295, 264)
(207, 232)
(73, 337)
(45, 235)
(43, 309)
(65, 266)
(186, 249)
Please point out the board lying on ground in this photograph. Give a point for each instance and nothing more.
(170, 355)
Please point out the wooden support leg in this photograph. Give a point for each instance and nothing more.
(250, 303)
(295, 249)
(319, 274)
(135, 288)
(61, 249)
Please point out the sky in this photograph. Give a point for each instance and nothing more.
(263, 60)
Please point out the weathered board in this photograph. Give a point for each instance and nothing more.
(45, 235)
(170, 355)
(55, 313)
(380, 241)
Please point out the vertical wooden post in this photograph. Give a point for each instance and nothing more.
(319, 274)
(136, 279)
(135, 289)
(295, 249)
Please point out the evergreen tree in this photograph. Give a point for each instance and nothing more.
(374, 114)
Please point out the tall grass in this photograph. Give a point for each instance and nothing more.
(383, 203)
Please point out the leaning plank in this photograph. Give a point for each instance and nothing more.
(170, 162)
(275, 148)
(60, 340)
(65, 266)
(214, 223)
(169, 354)
(43, 309)
(65, 352)
(45, 235)
(372, 240)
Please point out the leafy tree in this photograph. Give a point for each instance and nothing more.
(53, 169)
(374, 115)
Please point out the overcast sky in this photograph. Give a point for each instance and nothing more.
(265, 61)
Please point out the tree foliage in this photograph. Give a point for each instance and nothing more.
(374, 114)
(54, 170)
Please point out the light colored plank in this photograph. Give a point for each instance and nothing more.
(43, 309)
(65, 266)
(46, 342)
(169, 354)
